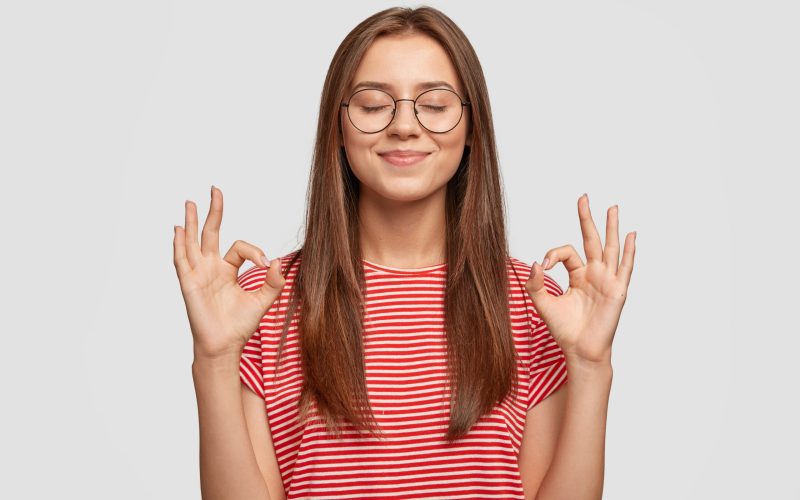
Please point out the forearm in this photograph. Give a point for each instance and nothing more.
(577, 469)
(228, 466)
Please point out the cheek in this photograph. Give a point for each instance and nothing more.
(449, 164)
(354, 143)
(358, 149)
(451, 154)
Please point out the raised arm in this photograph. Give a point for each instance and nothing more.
(222, 317)
(583, 322)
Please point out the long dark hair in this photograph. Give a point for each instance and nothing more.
(329, 284)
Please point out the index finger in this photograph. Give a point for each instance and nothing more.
(210, 238)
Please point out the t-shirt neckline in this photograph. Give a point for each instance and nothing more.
(404, 270)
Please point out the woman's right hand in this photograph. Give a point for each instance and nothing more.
(222, 315)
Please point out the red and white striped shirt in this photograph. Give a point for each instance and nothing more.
(406, 371)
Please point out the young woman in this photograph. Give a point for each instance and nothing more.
(401, 352)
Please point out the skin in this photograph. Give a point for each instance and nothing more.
(402, 210)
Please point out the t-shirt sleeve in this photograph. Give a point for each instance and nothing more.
(548, 366)
(250, 361)
(250, 365)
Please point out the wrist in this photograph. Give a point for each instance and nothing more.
(221, 362)
(217, 354)
(599, 368)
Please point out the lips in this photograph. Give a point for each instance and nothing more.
(403, 158)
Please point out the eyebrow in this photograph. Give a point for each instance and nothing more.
(420, 86)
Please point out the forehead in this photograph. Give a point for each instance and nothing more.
(404, 63)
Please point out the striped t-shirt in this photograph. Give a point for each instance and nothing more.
(406, 369)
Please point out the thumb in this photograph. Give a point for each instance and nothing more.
(535, 286)
(273, 284)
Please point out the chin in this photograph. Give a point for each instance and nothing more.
(406, 195)
(409, 198)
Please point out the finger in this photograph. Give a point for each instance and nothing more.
(540, 295)
(273, 284)
(566, 254)
(626, 268)
(611, 252)
(182, 266)
(210, 237)
(192, 247)
(241, 251)
(592, 245)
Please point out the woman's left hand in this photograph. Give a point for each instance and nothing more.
(584, 319)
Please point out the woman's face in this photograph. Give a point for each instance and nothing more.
(404, 63)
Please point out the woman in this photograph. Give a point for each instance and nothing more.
(425, 347)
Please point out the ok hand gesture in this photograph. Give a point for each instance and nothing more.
(584, 319)
(222, 315)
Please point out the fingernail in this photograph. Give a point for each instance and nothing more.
(264, 260)
(533, 268)
(545, 262)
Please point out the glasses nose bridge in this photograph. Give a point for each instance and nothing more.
(413, 108)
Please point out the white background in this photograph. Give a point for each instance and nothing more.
(112, 113)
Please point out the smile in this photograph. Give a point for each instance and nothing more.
(404, 160)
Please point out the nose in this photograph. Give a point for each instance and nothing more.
(404, 123)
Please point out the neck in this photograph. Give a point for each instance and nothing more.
(403, 234)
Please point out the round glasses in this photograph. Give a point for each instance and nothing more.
(437, 110)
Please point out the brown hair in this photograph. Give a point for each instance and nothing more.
(329, 283)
